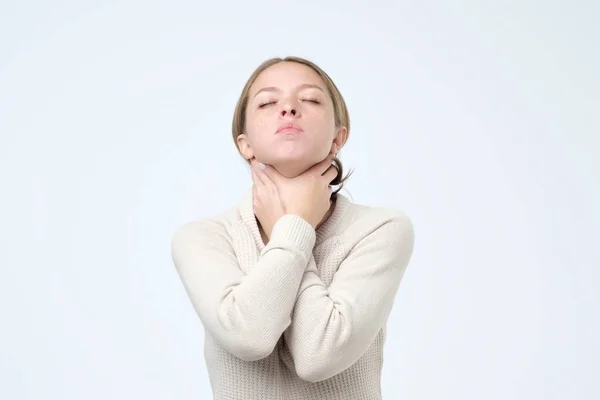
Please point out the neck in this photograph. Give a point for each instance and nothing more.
(265, 238)
(291, 169)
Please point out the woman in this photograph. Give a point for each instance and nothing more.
(294, 285)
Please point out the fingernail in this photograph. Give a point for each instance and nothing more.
(262, 166)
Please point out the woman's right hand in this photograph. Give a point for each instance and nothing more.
(267, 203)
(309, 194)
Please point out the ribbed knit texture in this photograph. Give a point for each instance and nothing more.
(302, 318)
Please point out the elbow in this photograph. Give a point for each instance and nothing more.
(312, 378)
(250, 355)
(313, 372)
(317, 364)
(251, 350)
(246, 337)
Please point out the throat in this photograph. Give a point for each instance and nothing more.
(265, 238)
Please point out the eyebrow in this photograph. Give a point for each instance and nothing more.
(303, 86)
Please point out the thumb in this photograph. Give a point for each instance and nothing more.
(273, 174)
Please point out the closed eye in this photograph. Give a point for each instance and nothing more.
(312, 101)
(263, 105)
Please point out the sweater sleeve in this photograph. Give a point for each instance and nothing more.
(245, 313)
(332, 327)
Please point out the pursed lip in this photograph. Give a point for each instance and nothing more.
(289, 127)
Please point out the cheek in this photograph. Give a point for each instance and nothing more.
(256, 126)
(259, 125)
(324, 123)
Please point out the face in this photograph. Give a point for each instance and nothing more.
(290, 122)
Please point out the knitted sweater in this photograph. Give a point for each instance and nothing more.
(302, 318)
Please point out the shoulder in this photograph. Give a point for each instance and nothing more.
(392, 226)
(368, 218)
(206, 231)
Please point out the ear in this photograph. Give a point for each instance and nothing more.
(340, 137)
(244, 147)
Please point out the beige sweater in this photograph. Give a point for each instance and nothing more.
(302, 318)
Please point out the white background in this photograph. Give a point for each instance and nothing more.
(478, 119)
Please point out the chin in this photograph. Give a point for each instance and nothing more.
(292, 166)
(291, 158)
(292, 161)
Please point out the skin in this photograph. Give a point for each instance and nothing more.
(289, 92)
(291, 170)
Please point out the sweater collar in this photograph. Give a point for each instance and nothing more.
(326, 230)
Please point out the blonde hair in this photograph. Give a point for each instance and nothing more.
(340, 109)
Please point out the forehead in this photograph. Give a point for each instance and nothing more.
(286, 75)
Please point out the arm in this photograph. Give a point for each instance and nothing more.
(245, 313)
(333, 326)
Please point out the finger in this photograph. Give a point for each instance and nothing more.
(256, 177)
(266, 176)
(321, 167)
(326, 164)
(334, 149)
(330, 174)
(255, 197)
(272, 174)
(264, 173)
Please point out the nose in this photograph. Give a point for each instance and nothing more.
(289, 110)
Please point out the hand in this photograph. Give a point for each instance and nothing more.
(309, 194)
(268, 207)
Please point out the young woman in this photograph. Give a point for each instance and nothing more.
(295, 283)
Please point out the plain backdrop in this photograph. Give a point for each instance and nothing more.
(478, 119)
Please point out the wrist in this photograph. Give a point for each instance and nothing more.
(304, 215)
(293, 231)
